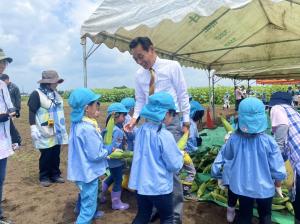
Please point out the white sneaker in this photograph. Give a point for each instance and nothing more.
(230, 214)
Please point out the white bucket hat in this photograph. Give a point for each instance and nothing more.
(4, 57)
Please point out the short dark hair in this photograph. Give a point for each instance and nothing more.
(145, 42)
(4, 77)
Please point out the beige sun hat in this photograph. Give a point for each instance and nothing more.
(50, 77)
(3, 57)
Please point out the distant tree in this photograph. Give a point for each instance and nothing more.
(120, 87)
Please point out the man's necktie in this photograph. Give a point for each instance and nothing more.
(152, 81)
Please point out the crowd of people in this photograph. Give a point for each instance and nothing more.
(251, 164)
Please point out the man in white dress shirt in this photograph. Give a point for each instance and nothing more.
(156, 75)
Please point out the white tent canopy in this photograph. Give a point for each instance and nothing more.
(237, 38)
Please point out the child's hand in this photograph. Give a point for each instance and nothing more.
(129, 127)
(220, 184)
(278, 188)
(279, 191)
(117, 150)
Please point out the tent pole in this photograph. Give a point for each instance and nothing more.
(213, 95)
(209, 88)
(84, 63)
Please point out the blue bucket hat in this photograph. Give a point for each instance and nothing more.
(195, 106)
(117, 107)
(128, 102)
(159, 104)
(252, 117)
(78, 99)
(278, 98)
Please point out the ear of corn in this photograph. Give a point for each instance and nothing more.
(194, 187)
(120, 154)
(181, 145)
(279, 200)
(117, 154)
(277, 207)
(109, 130)
(219, 197)
(201, 190)
(226, 125)
(182, 141)
(127, 154)
(289, 181)
(187, 159)
(290, 208)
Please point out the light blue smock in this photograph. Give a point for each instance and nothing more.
(117, 142)
(221, 167)
(156, 159)
(256, 163)
(192, 141)
(87, 153)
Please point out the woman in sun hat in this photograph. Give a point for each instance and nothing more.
(48, 127)
(257, 165)
(286, 128)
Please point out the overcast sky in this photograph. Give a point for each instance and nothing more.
(45, 34)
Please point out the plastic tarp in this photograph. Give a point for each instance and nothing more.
(236, 38)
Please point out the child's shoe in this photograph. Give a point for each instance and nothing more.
(117, 204)
(98, 214)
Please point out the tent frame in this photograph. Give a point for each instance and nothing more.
(212, 76)
(86, 54)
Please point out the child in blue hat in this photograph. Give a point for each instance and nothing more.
(87, 153)
(188, 171)
(156, 159)
(257, 167)
(129, 103)
(196, 114)
(116, 166)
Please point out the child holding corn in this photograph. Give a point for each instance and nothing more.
(87, 153)
(188, 171)
(257, 165)
(129, 103)
(156, 159)
(118, 111)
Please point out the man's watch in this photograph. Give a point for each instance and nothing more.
(187, 124)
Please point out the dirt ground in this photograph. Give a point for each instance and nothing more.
(26, 202)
